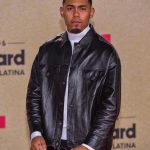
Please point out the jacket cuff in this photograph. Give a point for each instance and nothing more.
(35, 134)
(88, 147)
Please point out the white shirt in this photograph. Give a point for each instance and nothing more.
(73, 38)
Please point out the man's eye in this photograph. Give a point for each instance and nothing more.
(69, 8)
(83, 8)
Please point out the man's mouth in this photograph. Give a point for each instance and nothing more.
(76, 21)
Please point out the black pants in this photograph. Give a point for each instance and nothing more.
(63, 146)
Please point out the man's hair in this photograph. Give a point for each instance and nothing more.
(90, 2)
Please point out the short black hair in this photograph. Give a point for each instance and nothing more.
(90, 2)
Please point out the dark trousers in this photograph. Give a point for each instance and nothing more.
(63, 146)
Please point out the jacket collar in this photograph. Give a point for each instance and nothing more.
(84, 42)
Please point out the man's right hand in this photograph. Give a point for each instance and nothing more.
(38, 143)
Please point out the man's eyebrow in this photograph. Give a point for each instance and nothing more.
(82, 6)
(69, 5)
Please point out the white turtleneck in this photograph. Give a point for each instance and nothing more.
(73, 38)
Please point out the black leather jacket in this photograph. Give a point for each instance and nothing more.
(94, 91)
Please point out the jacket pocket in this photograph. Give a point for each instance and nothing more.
(92, 79)
(93, 75)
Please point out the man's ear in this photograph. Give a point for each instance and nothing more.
(92, 12)
(61, 11)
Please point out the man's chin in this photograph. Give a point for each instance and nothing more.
(75, 31)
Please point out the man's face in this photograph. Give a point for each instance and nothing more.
(76, 14)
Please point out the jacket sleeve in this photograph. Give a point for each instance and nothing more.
(107, 106)
(33, 99)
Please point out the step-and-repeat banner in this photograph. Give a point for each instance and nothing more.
(25, 25)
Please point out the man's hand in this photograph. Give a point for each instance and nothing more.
(38, 143)
(80, 147)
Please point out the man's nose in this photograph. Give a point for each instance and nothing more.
(76, 12)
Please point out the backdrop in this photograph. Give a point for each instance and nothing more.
(25, 25)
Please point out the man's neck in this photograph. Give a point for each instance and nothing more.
(77, 37)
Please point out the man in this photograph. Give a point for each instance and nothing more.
(73, 97)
